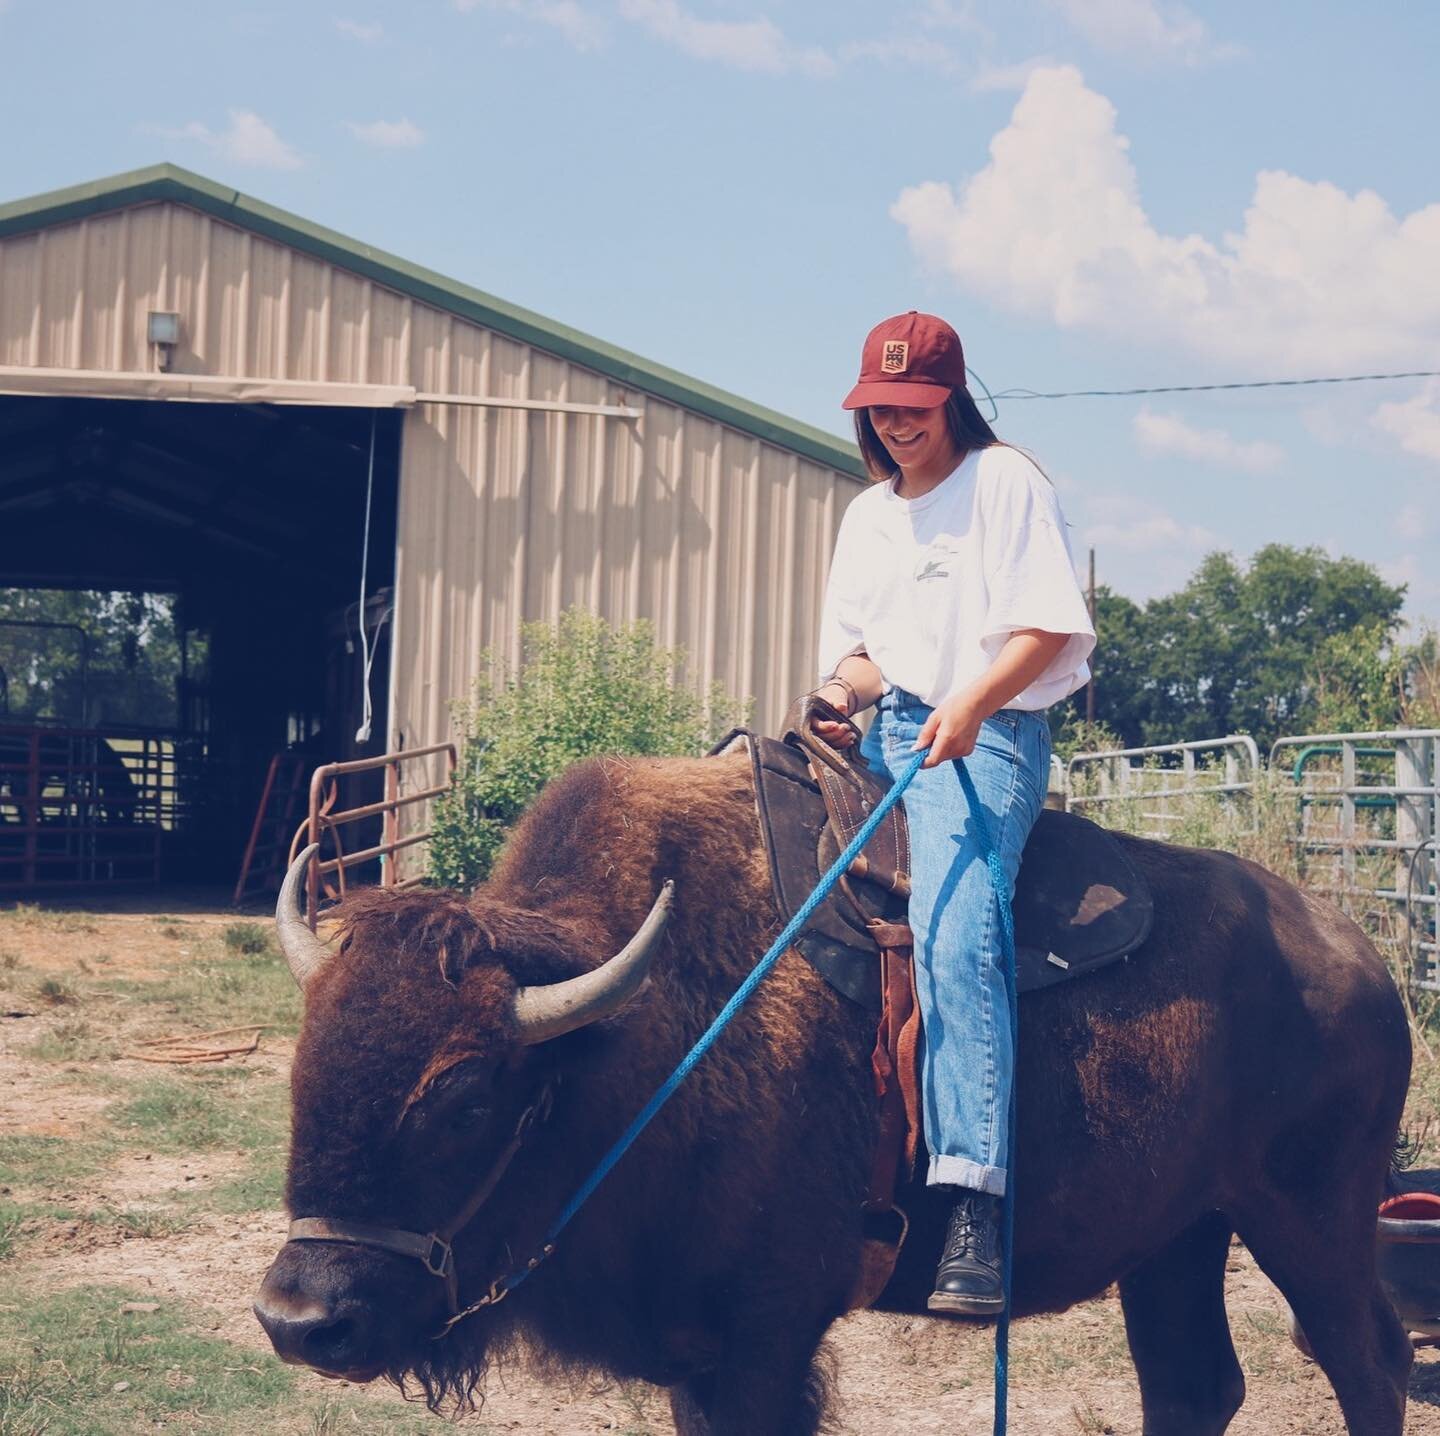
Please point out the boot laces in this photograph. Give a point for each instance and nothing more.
(966, 1237)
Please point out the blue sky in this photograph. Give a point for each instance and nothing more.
(1097, 193)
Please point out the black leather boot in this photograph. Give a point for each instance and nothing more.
(969, 1281)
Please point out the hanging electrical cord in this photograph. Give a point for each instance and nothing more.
(367, 656)
(1208, 388)
(368, 653)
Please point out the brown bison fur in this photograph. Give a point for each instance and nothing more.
(1244, 1072)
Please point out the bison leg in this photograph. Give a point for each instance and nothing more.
(1174, 1303)
(764, 1395)
(1324, 1265)
(690, 1403)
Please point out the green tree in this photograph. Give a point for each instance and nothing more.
(75, 656)
(583, 688)
(1420, 681)
(1357, 681)
(1123, 680)
(1262, 648)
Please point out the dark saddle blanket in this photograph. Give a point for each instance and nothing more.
(1079, 904)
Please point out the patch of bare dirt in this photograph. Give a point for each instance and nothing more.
(34, 1107)
(124, 933)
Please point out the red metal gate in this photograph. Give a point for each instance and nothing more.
(326, 818)
(79, 807)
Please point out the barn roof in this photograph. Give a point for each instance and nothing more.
(169, 182)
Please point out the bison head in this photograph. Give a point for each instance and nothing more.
(428, 1047)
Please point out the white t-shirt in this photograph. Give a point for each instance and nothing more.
(931, 588)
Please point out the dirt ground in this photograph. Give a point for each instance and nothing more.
(1070, 1373)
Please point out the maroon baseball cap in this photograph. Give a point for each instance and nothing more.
(913, 360)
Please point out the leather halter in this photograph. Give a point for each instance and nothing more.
(434, 1250)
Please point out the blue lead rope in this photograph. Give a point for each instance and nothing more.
(791, 930)
(1007, 1219)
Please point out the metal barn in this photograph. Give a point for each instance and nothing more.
(205, 396)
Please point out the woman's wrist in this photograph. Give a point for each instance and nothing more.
(839, 693)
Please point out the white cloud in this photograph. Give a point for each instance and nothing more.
(921, 52)
(1144, 535)
(759, 46)
(989, 78)
(1170, 434)
(1412, 522)
(952, 15)
(1413, 423)
(1147, 28)
(1416, 572)
(1141, 549)
(1053, 226)
(387, 134)
(579, 26)
(368, 33)
(248, 140)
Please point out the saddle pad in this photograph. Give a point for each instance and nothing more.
(1079, 901)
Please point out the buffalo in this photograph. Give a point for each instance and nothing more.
(464, 1063)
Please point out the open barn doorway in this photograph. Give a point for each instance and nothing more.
(180, 602)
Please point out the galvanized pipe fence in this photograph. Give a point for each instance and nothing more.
(1365, 821)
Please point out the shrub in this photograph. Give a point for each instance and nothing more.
(584, 688)
(1073, 734)
(246, 937)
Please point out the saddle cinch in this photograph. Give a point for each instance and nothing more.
(1079, 905)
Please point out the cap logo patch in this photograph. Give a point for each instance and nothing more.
(895, 358)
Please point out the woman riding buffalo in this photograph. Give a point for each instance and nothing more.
(953, 600)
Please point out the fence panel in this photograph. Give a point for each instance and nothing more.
(1156, 780)
(1368, 816)
(82, 808)
(1366, 812)
(326, 818)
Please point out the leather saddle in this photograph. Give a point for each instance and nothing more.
(1079, 905)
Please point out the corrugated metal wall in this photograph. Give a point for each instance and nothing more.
(506, 516)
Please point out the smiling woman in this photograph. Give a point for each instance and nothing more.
(953, 601)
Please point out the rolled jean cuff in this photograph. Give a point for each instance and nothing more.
(962, 1172)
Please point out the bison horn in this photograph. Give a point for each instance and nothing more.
(305, 953)
(560, 1007)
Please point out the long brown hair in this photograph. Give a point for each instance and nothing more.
(966, 423)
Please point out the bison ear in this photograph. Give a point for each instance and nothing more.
(532, 947)
(561, 984)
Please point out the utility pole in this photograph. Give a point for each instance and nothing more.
(1090, 686)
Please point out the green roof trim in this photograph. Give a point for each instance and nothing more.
(163, 182)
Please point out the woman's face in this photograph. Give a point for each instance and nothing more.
(915, 438)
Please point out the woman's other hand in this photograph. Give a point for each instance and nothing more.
(951, 730)
(837, 735)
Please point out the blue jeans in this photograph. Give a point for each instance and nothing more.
(968, 1061)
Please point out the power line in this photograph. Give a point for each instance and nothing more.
(1206, 388)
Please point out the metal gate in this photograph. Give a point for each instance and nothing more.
(1368, 818)
(79, 807)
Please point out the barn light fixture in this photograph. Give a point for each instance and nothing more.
(163, 330)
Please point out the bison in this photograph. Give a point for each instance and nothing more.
(466, 1062)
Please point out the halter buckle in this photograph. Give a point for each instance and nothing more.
(446, 1263)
